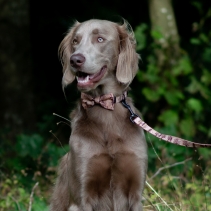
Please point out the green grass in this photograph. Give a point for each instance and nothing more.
(164, 192)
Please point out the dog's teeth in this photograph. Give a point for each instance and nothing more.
(77, 78)
(83, 80)
(87, 78)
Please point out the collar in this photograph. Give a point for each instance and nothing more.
(107, 101)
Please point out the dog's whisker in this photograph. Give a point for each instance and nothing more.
(62, 122)
(58, 140)
(61, 117)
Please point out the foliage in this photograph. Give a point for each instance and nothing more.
(14, 197)
(179, 92)
(32, 159)
(177, 96)
(179, 193)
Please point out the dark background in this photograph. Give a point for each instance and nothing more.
(47, 23)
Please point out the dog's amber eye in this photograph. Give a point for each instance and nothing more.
(100, 39)
(75, 42)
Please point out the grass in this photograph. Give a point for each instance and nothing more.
(172, 184)
(165, 192)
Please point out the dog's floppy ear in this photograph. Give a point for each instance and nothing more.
(65, 51)
(127, 65)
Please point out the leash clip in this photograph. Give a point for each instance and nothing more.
(132, 114)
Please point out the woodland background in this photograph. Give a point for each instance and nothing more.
(172, 90)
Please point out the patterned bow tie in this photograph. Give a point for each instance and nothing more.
(106, 101)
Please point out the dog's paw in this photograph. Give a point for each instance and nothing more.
(73, 207)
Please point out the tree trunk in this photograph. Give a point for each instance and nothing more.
(164, 30)
(16, 90)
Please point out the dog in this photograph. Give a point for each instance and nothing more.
(106, 166)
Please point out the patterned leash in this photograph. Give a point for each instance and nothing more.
(172, 139)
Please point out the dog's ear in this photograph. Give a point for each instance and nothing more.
(65, 51)
(127, 65)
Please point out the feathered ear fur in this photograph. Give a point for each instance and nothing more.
(65, 51)
(127, 65)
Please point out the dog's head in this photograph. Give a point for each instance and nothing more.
(95, 50)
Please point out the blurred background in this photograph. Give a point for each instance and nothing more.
(172, 90)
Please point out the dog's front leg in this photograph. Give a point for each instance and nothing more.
(86, 207)
(60, 200)
(96, 194)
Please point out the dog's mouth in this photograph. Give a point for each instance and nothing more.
(85, 79)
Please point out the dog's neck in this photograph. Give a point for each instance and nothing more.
(106, 94)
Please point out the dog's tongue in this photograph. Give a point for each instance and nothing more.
(93, 75)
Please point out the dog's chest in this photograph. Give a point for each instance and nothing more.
(105, 130)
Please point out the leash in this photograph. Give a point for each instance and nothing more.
(107, 101)
(171, 139)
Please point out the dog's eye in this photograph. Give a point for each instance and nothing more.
(100, 39)
(75, 42)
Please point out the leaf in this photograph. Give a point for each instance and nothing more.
(204, 38)
(173, 97)
(29, 145)
(39, 204)
(187, 127)
(169, 117)
(193, 87)
(195, 41)
(156, 34)
(141, 36)
(151, 95)
(206, 55)
(205, 153)
(196, 86)
(195, 105)
(197, 5)
(206, 76)
(183, 66)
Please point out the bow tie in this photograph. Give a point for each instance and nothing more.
(106, 101)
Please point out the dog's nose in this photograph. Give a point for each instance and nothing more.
(77, 60)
